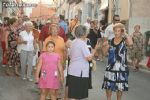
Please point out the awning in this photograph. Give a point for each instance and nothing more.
(104, 5)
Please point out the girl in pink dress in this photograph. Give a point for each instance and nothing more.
(51, 72)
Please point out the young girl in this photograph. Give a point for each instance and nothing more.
(50, 67)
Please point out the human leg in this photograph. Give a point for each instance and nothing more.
(43, 94)
(29, 61)
(53, 94)
(119, 95)
(66, 93)
(23, 60)
(108, 94)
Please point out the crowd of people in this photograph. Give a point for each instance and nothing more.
(63, 52)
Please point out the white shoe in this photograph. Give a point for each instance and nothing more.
(3, 65)
(30, 79)
(24, 78)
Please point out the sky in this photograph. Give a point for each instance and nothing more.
(29, 10)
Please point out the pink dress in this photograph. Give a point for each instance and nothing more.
(49, 71)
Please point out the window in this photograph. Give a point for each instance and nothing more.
(90, 10)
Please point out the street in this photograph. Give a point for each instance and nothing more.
(13, 88)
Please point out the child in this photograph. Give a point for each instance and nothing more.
(50, 67)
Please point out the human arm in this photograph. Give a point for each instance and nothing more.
(38, 69)
(20, 39)
(6, 39)
(60, 69)
(128, 39)
(149, 41)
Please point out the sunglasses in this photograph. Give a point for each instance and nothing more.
(116, 20)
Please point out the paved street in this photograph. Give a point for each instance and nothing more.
(13, 88)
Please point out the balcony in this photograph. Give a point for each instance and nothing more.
(71, 1)
(78, 1)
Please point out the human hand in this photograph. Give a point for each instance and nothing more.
(62, 79)
(24, 42)
(37, 79)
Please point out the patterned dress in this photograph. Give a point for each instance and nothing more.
(137, 49)
(116, 74)
(13, 56)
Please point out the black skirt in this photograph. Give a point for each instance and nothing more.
(78, 87)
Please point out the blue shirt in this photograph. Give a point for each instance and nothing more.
(64, 25)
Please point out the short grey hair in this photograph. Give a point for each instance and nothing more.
(80, 31)
(28, 23)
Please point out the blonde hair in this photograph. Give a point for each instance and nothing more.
(118, 25)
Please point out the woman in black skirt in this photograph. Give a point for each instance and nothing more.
(78, 71)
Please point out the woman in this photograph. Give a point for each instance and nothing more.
(116, 74)
(78, 70)
(136, 52)
(28, 49)
(13, 59)
(93, 34)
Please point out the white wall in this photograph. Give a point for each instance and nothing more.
(144, 22)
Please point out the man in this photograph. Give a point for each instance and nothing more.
(109, 34)
(63, 24)
(44, 34)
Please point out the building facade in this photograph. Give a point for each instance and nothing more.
(42, 12)
(132, 12)
(95, 9)
(10, 8)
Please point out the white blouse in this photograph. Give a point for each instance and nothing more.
(30, 41)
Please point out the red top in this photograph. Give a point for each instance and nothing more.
(44, 33)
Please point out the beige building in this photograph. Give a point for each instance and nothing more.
(132, 12)
(10, 8)
(82, 8)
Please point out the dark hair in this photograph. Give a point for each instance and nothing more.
(50, 42)
(103, 28)
(102, 22)
(115, 16)
(92, 22)
(6, 18)
(61, 17)
(12, 21)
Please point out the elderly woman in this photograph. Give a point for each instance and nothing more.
(78, 71)
(117, 71)
(136, 51)
(11, 47)
(26, 39)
